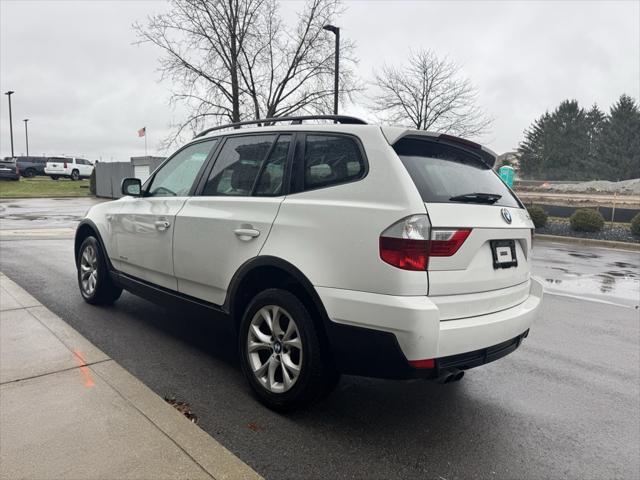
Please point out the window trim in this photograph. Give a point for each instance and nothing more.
(297, 183)
(196, 180)
(224, 138)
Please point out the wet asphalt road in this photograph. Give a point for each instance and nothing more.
(565, 405)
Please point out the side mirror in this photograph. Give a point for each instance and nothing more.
(132, 187)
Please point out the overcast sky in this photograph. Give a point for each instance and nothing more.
(86, 89)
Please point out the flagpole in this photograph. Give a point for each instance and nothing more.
(145, 142)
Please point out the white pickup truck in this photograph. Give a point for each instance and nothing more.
(73, 168)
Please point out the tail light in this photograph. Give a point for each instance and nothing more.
(409, 243)
(64, 165)
(405, 244)
(445, 243)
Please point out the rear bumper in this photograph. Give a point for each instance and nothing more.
(377, 335)
(56, 171)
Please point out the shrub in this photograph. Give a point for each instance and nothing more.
(635, 225)
(586, 220)
(538, 216)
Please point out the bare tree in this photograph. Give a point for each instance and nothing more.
(429, 94)
(230, 60)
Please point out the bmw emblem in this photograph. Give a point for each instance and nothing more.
(506, 215)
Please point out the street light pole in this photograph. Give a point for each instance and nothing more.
(336, 32)
(8, 94)
(26, 134)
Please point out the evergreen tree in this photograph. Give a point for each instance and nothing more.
(531, 151)
(619, 148)
(556, 146)
(568, 144)
(596, 120)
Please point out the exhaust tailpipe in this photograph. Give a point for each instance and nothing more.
(450, 376)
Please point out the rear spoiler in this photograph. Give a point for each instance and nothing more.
(394, 134)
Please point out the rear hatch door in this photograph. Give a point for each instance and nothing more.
(57, 164)
(490, 270)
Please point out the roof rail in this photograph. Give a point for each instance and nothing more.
(294, 121)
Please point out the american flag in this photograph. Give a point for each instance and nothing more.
(142, 132)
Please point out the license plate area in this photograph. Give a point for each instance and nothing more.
(504, 253)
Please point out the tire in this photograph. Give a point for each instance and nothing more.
(94, 281)
(54, 177)
(75, 175)
(29, 173)
(315, 377)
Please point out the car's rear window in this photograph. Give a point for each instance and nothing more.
(441, 172)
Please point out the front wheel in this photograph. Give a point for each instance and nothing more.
(281, 354)
(54, 177)
(94, 280)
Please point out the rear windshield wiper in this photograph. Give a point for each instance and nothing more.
(489, 198)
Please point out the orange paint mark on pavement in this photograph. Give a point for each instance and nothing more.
(86, 373)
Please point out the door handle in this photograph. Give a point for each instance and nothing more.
(246, 233)
(162, 225)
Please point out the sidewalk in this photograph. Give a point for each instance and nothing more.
(67, 411)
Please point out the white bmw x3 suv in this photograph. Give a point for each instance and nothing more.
(329, 248)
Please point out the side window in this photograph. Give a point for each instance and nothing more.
(238, 165)
(176, 177)
(329, 160)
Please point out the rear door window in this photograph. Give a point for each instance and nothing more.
(240, 163)
(442, 172)
(331, 160)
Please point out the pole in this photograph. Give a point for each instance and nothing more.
(26, 134)
(8, 94)
(145, 142)
(337, 73)
(613, 210)
(336, 31)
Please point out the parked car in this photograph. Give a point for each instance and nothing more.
(9, 169)
(31, 166)
(67, 167)
(329, 248)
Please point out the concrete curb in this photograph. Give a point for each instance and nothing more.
(209, 455)
(634, 247)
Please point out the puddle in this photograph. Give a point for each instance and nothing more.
(620, 274)
(583, 254)
(622, 265)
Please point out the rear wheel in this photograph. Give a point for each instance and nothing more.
(94, 280)
(280, 350)
(75, 175)
(54, 177)
(29, 173)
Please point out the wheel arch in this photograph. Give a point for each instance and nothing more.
(263, 272)
(87, 228)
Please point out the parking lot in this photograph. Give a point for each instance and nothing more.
(566, 404)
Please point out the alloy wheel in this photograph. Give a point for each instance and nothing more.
(89, 270)
(274, 348)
